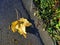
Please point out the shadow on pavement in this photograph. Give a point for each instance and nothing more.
(32, 29)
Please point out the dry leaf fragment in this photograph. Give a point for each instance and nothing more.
(20, 26)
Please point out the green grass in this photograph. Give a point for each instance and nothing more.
(49, 11)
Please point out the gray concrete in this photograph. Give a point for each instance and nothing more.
(38, 22)
(7, 15)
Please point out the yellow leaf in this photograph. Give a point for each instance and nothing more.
(20, 26)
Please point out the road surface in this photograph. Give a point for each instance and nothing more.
(7, 15)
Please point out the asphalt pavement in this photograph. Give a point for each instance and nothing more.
(7, 15)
